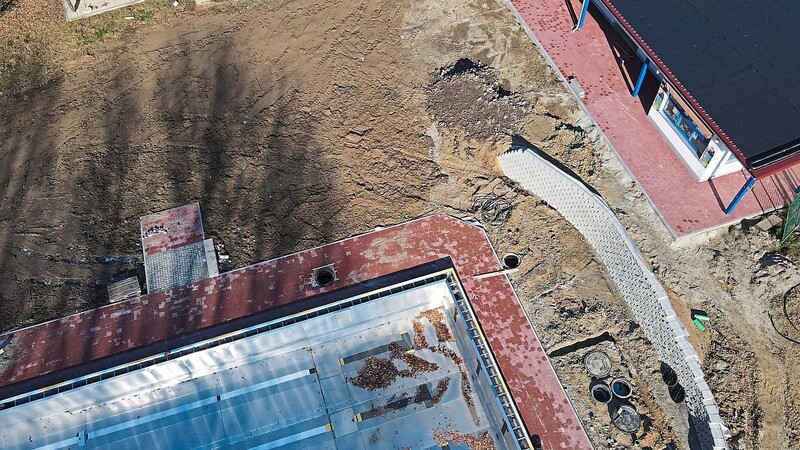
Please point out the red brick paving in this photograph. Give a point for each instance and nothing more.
(180, 226)
(110, 330)
(686, 206)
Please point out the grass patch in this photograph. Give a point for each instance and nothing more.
(35, 40)
(96, 29)
(144, 16)
(791, 248)
(147, 11)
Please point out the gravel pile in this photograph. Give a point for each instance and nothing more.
(466, 391)
(441, 349)
(419, 334)
(436, 318)
(441, 388)
(416, 365)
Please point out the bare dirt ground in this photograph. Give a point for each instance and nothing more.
(297, 123)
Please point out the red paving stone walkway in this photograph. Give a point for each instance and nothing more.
(64, 346)
(686, 206)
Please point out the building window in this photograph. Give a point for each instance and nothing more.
(707, 156)
(685, 126)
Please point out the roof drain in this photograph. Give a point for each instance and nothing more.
(323, 276)
(511, 261)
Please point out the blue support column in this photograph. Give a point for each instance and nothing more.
(584, 12)
(744, 190)
(640, 80)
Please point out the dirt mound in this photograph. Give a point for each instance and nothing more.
(470, 96)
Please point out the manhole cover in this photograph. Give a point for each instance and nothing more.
(627, 419)
(597, 364)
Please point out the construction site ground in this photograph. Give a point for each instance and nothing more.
(298, 123)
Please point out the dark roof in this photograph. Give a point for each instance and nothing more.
(738, 59)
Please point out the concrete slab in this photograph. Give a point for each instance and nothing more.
(80, 9)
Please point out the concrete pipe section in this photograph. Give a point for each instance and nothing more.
(626, 419)
(601, 393)
(597, 364)
(621, 388)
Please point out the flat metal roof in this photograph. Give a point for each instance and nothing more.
(296, 386)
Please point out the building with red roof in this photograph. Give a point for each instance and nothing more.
(311, 331)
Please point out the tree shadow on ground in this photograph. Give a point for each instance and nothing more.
(263, 181)
(27, 163)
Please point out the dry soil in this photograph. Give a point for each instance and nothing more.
(296, 123)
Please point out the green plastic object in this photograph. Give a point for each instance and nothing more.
(699, 325)
(792, 219)
(702, 317)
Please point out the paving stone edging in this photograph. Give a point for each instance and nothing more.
(634, 281)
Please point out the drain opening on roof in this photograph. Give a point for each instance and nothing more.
(323, 276)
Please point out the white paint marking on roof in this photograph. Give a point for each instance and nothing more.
(292, 439)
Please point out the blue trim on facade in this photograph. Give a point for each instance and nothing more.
(640, 80)
(584, 13)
